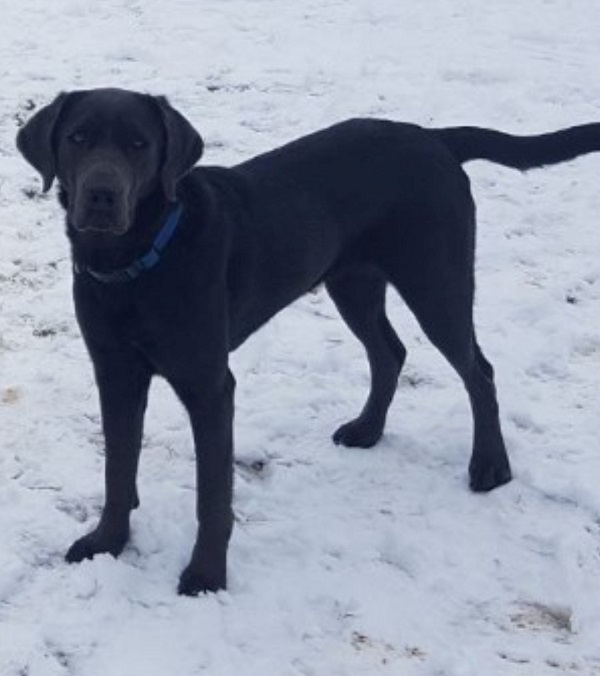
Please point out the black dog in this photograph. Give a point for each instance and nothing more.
(174, 268)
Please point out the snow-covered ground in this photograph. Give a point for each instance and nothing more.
(343, 562)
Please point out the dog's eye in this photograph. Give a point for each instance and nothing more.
(138, 143)
(79, 138)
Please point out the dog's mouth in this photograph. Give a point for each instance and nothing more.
(99, 221)
(100, 210)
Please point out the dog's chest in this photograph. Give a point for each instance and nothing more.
(152, 318)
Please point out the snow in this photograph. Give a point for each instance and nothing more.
(343, 562)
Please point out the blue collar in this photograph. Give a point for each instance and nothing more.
(145, 262)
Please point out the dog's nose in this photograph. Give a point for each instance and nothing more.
(102, 198)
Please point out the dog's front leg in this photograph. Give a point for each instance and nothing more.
(211, 415)
(123, 380)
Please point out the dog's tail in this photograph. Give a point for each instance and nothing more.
(520, 152)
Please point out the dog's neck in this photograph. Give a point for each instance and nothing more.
(106, 252)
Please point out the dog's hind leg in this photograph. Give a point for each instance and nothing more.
(359, 295)
(435, 277)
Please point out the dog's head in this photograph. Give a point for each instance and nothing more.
(110, 149)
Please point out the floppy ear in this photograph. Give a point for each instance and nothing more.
(183, 147)
(34, 140)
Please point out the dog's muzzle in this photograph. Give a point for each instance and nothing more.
(101, 201)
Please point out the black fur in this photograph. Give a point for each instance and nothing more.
(358, 206)
(520, 152)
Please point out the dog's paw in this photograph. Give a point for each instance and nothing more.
(193, 582)
(485, 476)
(94, 543)
(360, 433)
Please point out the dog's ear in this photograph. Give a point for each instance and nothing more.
(34, 140)
(183, 147)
